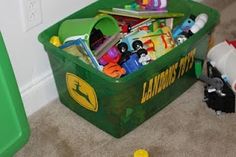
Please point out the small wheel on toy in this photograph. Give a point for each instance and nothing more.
(122, 47)
(137, 44)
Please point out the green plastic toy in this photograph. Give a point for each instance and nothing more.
(14, 127)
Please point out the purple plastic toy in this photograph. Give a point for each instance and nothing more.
(159, 5)
(112, 56)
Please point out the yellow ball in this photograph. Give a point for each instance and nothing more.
(141, 153)
(55, 41)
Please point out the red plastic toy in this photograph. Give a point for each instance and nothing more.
(233, 42)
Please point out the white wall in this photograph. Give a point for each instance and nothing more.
(28, 58)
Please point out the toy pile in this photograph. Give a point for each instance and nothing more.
(220, 81)
(142, 32)
(222, 57)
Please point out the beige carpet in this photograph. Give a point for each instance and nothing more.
(186, 127)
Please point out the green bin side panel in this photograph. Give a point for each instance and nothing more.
(14, 128)
(119, 100)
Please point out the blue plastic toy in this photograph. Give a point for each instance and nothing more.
(131, 64)
(184, 27)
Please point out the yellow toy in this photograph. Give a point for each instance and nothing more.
(162, 41)
(141, 153)
(55, 41)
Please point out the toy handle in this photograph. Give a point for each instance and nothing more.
(215, 82)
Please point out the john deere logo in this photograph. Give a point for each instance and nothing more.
(82, 92)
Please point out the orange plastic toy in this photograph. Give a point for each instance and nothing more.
(114, 70)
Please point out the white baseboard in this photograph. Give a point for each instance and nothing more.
(39, 93)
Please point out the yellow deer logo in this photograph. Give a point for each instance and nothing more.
(81, 92)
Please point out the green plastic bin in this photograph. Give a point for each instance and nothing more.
(117, 106)
(14, 127)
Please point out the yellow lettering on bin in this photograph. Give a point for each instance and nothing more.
(166, 78)
(174, 73)
(184, 65)
(156, 85)
(162, 75)
(144, 94)
(149, 94)
(81, 92)
(193, 53)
